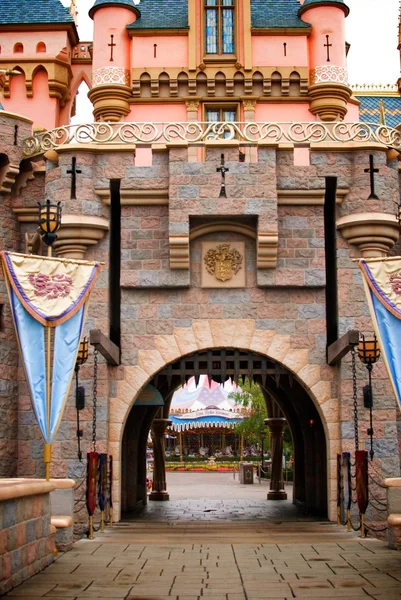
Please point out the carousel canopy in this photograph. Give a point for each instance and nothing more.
(205, 406)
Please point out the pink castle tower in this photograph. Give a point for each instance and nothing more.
(329, 92)
(111, 90)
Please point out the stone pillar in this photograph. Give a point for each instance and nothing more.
(192, 117)
(159, 491)
(277, 491)
(251, 153)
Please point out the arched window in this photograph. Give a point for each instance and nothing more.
(219, 26)
(41, 47)
(18, 47)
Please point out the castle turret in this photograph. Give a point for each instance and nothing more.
(328, 90)
(36, 38)
(111, 58)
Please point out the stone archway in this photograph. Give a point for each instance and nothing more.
(242, 334)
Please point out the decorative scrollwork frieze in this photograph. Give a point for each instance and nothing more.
(329, 74)
(110, 75)
(195, 132)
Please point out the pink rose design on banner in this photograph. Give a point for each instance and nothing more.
(395, 282)
(51, 286)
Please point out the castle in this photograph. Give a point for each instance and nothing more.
(217, 122)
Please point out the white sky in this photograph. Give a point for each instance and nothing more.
(372, 31)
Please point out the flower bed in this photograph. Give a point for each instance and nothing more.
(203, 467)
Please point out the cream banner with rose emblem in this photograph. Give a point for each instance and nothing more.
(48, 294)
(382, 280)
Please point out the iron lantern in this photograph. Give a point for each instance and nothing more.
(83, 352)
(369, 354)
(368, 350)
(49, 221)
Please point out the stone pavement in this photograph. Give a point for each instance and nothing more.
(240, 571)
(203, 555)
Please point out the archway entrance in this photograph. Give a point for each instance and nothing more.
(285, 398)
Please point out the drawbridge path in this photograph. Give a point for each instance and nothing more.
(239, 548)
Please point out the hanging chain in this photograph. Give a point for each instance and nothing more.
(355, 394)
(95, 353)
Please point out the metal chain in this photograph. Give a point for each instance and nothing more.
(355, 394)
(95, 353)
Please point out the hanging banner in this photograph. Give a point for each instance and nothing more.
(92, 473)
(382, 281)
(339, 484)
(49, 299)
(346, 477)
(102, 487)
(361, 476)
(111, 484)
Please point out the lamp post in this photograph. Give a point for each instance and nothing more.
(49, 223)
(263, 437)
(369, 354)
(82, 357)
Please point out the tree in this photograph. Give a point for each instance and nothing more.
(250, 396)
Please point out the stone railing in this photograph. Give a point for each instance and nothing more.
(197, 133)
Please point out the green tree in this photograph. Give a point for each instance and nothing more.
(250, 396)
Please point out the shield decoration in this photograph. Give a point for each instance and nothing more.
(223, 269)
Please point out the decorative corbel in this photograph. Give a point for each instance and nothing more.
(267, 248)
(179, 251)
(373, 233)
(8, 175)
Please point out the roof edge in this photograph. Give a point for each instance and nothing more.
(303, 9)
(95, 8)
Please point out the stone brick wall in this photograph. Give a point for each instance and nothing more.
(9, 240)
(162, 307)
(26, 542)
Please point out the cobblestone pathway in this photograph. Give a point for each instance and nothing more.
(218, 571)
(233, 549)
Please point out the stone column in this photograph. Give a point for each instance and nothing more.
(277, 491)
(192, 116)
(159, 491)
(251, 153)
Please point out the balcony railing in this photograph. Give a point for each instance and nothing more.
(198, 134)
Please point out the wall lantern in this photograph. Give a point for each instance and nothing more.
(49, 222)
(369, 354)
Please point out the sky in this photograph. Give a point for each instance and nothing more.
(371, 29)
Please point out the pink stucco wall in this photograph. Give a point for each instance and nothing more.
(283, 112)
(171, 51)
(164, 113)
(352, 114)
(41, 109)
(268, 51)
(111, 21)
(326, 20)
(54, 40)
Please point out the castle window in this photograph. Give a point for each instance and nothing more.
(18, 47)
(219, 26)
(215, 114)
(41, 47)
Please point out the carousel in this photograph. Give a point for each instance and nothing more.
(203, 421)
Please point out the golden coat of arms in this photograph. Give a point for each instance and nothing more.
(222, 262)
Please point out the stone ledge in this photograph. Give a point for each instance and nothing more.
(10, 489)
(394, 520)
(61, 521)
(307, 197)
(393, 482)
(136, 197)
